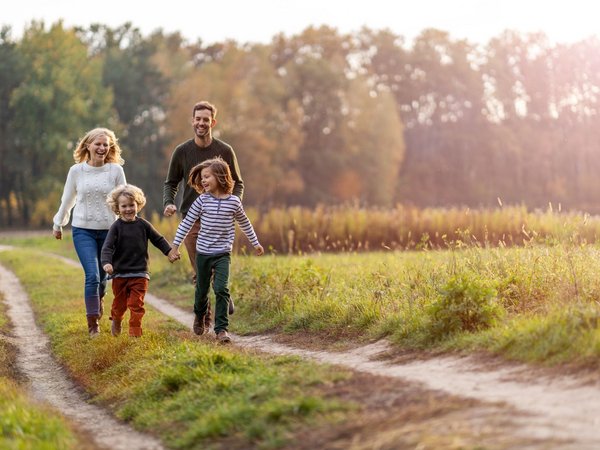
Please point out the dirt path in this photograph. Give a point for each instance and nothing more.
(557, 408)
(48, 382)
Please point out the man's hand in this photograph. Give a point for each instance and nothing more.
(170, 210)
(108, 268)
(57, 234)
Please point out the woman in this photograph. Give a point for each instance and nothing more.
(96, 172)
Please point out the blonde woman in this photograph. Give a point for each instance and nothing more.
(97, 170)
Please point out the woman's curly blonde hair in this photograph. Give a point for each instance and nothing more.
(82, 152)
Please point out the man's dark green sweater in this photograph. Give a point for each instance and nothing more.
(188, 155)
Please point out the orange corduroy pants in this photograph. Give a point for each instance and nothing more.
(129, 294)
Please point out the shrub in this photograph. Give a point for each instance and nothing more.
(467, 303)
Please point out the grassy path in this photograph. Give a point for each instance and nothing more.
(49, 382)
(536, 411)
(557, 408)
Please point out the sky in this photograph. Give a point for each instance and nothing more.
(563, 21)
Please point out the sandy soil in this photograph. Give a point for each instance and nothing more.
(548, 411)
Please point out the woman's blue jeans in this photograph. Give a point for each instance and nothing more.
(88, 245)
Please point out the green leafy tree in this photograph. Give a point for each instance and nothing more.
(140, 90)
(12, 74)
(374, 145)
(59, 98)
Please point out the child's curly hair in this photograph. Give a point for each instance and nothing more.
(127, 190)
(219, 168)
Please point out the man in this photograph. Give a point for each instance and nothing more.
(187, 155)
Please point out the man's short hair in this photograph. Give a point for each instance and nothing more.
(205, 105)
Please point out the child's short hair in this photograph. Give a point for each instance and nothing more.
(128, 190)
(220, 170)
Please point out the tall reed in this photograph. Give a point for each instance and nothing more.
(297, 230)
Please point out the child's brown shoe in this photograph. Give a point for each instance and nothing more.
(115, 327)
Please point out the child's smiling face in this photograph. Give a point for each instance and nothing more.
(128, 208)
(209, 181)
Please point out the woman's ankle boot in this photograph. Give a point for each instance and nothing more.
(93, 328)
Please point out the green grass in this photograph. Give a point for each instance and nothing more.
(536, 303)
(191, 392)
(28, 425)
(7, 351)
(44, 242)
(24, 423)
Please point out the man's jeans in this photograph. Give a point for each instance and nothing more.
(88, 245)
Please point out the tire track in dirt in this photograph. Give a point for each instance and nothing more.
(48, 381)
(556, 407)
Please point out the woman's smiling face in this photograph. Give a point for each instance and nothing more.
(98, 149)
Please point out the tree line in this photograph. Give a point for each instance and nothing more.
(317, 118)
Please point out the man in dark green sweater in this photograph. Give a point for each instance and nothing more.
(189, 154)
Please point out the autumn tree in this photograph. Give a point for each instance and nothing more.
(140, 91)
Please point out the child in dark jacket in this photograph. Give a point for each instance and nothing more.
(125, 256)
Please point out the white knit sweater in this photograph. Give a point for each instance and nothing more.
(86, 189)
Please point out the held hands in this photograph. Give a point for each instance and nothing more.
(108, 268)
(259, 250)
(174, 254)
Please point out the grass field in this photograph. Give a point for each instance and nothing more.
(536, 303)
(349, 228)
(186, 390)
(25, 423)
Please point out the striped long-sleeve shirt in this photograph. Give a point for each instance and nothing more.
(217, 224)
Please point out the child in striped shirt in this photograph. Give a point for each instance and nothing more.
(218, 210)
